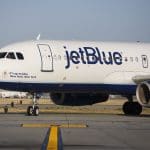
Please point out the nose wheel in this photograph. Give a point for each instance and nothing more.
(34, 109)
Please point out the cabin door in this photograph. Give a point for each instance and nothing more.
(46, 57)
(145, 61)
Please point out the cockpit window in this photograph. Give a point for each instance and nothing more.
(11, 55)
(19, 56)
(3, 54)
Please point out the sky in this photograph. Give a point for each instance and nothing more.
(94, 20)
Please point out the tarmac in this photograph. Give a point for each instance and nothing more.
(101, 131)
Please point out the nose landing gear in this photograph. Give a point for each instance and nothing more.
(34, 109)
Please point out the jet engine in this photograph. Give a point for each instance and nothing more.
(143, 94)
(78, 99)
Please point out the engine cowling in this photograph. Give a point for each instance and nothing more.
(78, 99)
(143, 94)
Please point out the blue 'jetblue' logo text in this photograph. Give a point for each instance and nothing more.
(90, 55)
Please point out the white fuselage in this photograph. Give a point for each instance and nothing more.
(52, 65)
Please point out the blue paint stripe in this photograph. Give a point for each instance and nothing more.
(45, 142)
(48, 87)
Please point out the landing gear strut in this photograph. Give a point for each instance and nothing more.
(132, 108)
(34, 109)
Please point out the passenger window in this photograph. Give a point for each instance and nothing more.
(136, 59)
(55, 57)
(11, 55)
(126, 59)
(3, 54)
(59, 57)
(131, 59)
(20, 56)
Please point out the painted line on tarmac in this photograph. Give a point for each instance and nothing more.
(53, 139)
(50, 125)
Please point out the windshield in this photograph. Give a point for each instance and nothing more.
(11, 55)
(3, 54)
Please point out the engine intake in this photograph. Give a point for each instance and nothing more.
(143, 94)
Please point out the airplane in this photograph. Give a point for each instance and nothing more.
(78, 73)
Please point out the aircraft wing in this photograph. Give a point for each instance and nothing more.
(141, 78)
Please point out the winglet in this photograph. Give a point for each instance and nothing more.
(38, 37)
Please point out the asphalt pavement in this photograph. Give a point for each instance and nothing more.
(104, 132)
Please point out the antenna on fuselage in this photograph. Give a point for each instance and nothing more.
(38, 37)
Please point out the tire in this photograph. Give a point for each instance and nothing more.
(137, 108)
(29, 110)
(132, 108)
(127, 108)
(36, 111)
